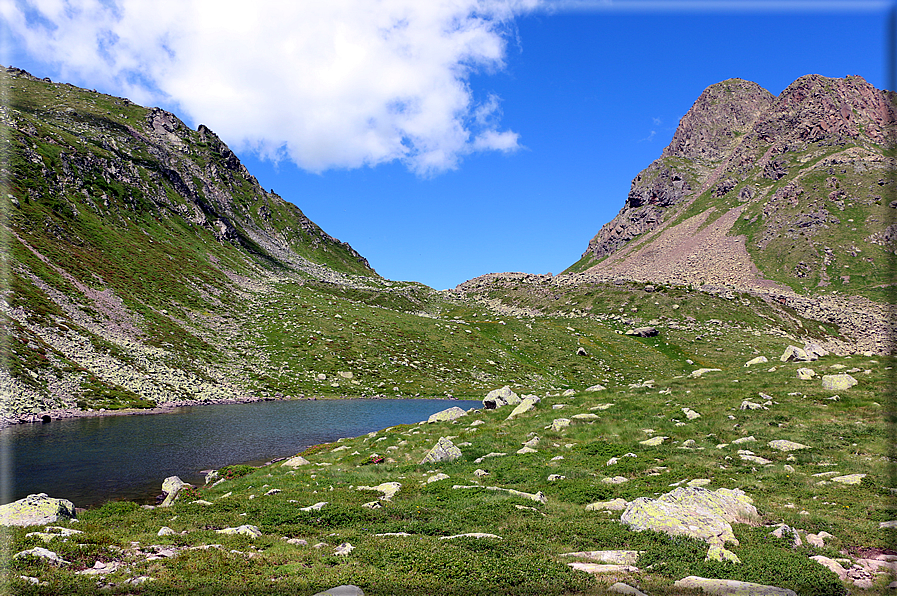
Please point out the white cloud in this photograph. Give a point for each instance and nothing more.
(324, 83)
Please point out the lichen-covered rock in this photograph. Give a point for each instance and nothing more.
(52, 533)
(805, 374)
(443, 450)
(840, 382)
(559, 424)
(500, 397)
(654, 441)
(526, 405)
(389, 489)
(718, 553)
(849, 479)
(757, 360)
(692, 511)
(171, 486)
(793, 353)
(594, 388)
(730, 587)
(621, 588)
(245, 530)
(783, 445)
(34, 510)
(595, 568)
(296, 461)
(42, 553)
(448, 415)
(612, 505)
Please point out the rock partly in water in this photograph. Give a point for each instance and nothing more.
(443, 450)
(36, 509)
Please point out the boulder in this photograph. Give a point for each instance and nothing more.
(34, 510)
(757, 360)
(171, 486)
(805, 374)
(621, 588)
(594, 568)
(749, 405)
(42, 553)
(580, 351)
(795, 354)
(443, 450)
(839, 382)
(654, 441)
(730, 587)
(783, 445)
(559, 424)
(244, 530)
(695, 512)
(849, 479)
(526, 405)
(617, 557)
(53, 532)
(814, 350)
(695, 374)
(500, 397)
(343, 549)
(832, 565)
(296, 461)
(595, 388)
(642, 332)
(437, 477)
(721, 555)
(389, 489)
(447, 415)
(690, 414)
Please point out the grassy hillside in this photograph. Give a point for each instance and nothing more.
(846, 435)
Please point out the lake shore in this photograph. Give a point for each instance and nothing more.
(171, 407)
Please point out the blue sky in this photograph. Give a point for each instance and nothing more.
(560, 108)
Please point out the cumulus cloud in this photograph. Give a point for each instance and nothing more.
(326, 84)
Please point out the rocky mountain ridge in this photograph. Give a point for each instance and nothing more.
(765, 171)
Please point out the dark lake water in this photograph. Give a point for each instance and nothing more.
(92, 460)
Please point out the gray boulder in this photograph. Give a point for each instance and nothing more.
(642, 332)
(793, 353)
(171, 486)
(839, 382)
(730, 587)
(34, 510)
(447, 415)
(500, 397)
(696, 512)
(443, 450)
